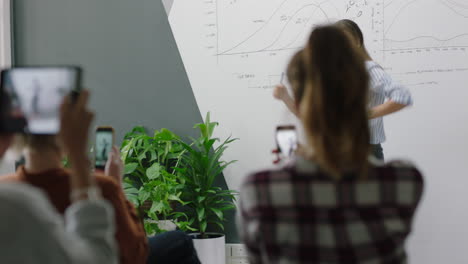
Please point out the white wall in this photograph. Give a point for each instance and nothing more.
(434, 135)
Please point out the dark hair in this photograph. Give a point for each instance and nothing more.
(296, 75)
(334, 104)
(352, 28)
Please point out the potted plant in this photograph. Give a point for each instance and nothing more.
(201, 165)
(152, 182)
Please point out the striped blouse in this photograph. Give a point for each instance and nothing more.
(383, 87)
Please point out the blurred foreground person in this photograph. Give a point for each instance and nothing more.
(32, 231)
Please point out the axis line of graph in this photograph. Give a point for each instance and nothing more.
(422, 48)
(398, 15)
(258, 51)
(429, 37)
(217, 30)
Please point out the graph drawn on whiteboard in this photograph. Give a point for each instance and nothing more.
(253, 40)
(425, 25)
(247, 36)
(425, 38)
(286, 27)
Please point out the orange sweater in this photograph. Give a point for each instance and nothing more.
(130, 235)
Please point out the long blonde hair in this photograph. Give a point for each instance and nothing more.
(334, 104)
(296, 75)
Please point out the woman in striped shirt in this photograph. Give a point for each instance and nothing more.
(382, 87)
(386, 95)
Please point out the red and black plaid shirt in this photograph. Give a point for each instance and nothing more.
(299, 214)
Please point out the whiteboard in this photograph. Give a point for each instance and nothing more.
(235, 51)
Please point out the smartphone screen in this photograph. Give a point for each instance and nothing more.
(103, 146)
(31, 97)
(286, 139)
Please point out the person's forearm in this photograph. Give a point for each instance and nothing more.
(387, 108)
(81, 174)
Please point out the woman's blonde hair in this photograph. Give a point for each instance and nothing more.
(334, 103)
(296, 75)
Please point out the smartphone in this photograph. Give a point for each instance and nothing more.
(105, 139)
(286, 139)
(31, 97)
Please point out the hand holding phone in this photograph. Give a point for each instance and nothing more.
(105, 140)
(286, 140)
(114, 166)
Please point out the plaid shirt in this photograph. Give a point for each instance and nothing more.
(298, 214)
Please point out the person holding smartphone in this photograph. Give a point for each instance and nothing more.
(44, 169)
(33, 231)
(335, 204)
(286, 142)
(44, 153)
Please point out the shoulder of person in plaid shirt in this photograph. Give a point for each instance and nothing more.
(298, 214)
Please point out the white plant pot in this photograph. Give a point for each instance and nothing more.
(211, 250)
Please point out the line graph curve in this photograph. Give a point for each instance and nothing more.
(457, 7)
(258, 30)
(399, 13)
(417, 24)
(317, 7)
(286, 27)
(430, 37)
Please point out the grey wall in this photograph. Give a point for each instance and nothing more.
(129, 56)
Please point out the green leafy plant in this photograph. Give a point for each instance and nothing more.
(201, 165)
(153, 183)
